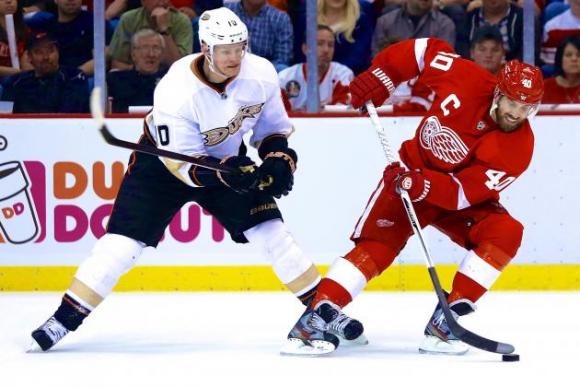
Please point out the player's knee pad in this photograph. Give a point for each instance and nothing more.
(112, 256)
(500, 232)
(371, 257)
(287, 259)
(511, 232)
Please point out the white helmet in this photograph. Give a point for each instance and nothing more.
(221, 26)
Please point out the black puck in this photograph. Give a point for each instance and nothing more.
(510, 357)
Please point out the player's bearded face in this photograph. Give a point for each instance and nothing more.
(510, 114)
(227, 58)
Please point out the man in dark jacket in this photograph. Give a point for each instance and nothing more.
(135, 87)
(49, 88)
(505, 16)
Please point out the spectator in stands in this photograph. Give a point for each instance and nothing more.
(116, 8)
(135, 87)
(7, 68)
(191, 8)
(159, 16)
(185, 7)
(270, 31)
(37, 11)
(49, 87)
(333, 77)
(353, 22)
(556, 29)
(415, 19)
(455, 9)
(200, 6)
(73, 29)
(487, 49)
(507, 17)
(565, 86)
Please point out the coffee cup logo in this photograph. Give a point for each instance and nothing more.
(18, 219)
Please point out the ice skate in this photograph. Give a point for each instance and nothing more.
(320, 331)
(47, 335)
(348, 330)
(309, 337)
(438, 338)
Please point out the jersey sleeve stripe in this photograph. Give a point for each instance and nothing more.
(462, 201)
(420, 48)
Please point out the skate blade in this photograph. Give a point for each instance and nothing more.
(361, 340)
(433, 345)
(297, 347)
(33, 347)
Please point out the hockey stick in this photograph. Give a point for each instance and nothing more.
(461, 333)
(99, 117)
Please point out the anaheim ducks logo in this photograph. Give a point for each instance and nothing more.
(219, 135)
(443, 142)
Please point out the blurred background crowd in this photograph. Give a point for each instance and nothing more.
(47, 65)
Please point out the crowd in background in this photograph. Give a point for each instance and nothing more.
(50, 67)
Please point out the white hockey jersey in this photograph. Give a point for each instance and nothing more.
(192, 117)
(293, 81)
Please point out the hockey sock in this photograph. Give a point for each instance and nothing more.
(308, 295)
(465, 287)
(331, 291)
(478, 272)
(72, 311)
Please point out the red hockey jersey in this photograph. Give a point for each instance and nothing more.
(458, 146)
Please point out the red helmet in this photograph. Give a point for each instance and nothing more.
(521, 82)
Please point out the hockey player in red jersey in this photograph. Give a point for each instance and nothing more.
(474, 142)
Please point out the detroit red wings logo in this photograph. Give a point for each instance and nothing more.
(443, 142)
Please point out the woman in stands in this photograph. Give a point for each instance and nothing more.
(564, 87)
(353, 22)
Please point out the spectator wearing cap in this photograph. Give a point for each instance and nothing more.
(487, 49)
(415, 19)
(270, 31)
(135, 87)
(159, 16)
(73, 29)
(49, 87)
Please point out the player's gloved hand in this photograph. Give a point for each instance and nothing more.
(244, 181)
(414, 182)
(371, 85)
(276, 174)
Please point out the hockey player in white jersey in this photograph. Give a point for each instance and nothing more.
(202, 107)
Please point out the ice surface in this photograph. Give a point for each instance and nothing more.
(233, 339)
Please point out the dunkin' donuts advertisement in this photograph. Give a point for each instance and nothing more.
(59, 179)
(58, 183)
(20, 222)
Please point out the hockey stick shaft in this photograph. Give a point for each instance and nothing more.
(99, 117)
(152, 150)
(460, 332)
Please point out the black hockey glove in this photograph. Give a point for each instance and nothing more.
(244, 181)
(277, 172)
